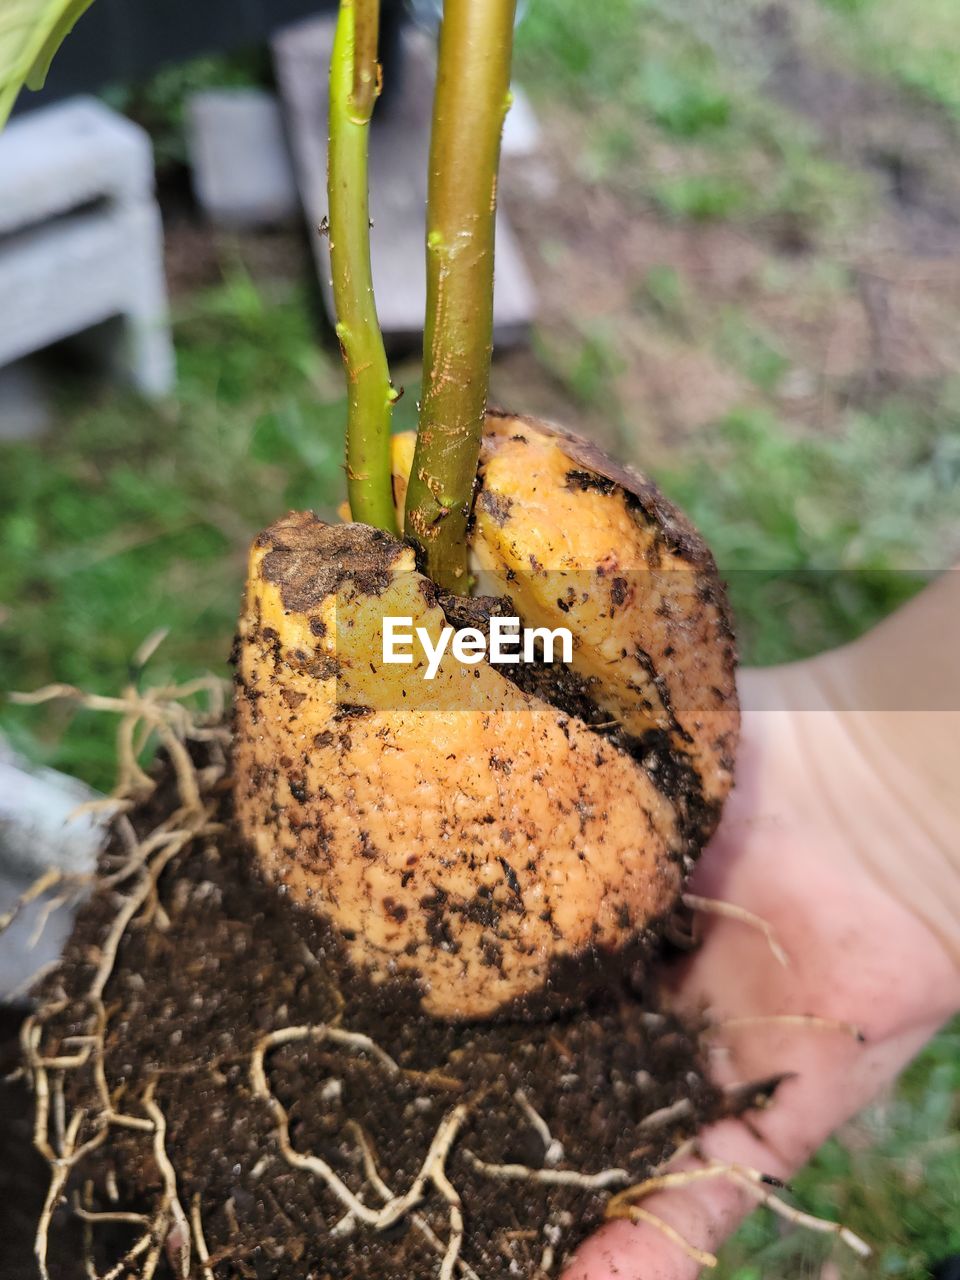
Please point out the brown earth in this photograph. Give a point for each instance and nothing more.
(215, 962)
(862, 311)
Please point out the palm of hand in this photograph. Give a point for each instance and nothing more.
(787, 850)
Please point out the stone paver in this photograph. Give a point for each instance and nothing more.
(242, 171)
(81, 239)
(38, 830)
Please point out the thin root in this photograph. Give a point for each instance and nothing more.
(809, 1021)
(756, 1183)
(39, 887)
(59, 1172)
(159, 710)
(199, 1239)
(636, 1213)
(171, 1202)
(759, 1184)
(160, 713)
(552, 1149)
(663, 1116)
(552, 1177)
(432, 1169)
(136, 1250)
(419, 1222)
(730, 911)
(110, 1215)
(316, 1031)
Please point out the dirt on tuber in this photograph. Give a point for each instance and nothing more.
(504, 837)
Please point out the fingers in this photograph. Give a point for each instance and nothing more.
(698, 1217)
(856, 957)
(682, 1224)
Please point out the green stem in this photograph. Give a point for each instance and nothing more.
(354, 86)
(471, 101)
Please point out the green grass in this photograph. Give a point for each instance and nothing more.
(914, 44)
(665, 122)
(664, 293)
(586, 363)
(750, 351)
(820, 537)
(135, 517)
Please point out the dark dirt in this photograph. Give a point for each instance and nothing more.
(24, 1175)
(225, 961)
(302, 542)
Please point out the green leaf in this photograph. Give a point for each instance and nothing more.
(31, 32)
(62, 28)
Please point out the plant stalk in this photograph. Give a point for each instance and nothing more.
(472, 98)
(354, 88)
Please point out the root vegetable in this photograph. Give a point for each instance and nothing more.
(499, 837)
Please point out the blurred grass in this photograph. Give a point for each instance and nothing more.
(820, 537)
(669, 124)
(915, 44)
(134, 517)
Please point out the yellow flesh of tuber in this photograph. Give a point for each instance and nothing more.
(489, 841)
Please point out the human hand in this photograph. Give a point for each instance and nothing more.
(840, 846)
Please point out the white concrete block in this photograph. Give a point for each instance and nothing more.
(39, 829)
(242, 171)
(81, 239)
(70, 274)
(67, 155)
(39, 825)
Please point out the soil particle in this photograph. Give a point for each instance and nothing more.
(309, 559)
(496, 505)
(223, 959)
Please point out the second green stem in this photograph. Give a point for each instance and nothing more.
(472, 98)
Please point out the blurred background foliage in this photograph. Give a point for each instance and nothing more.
(744, 226)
